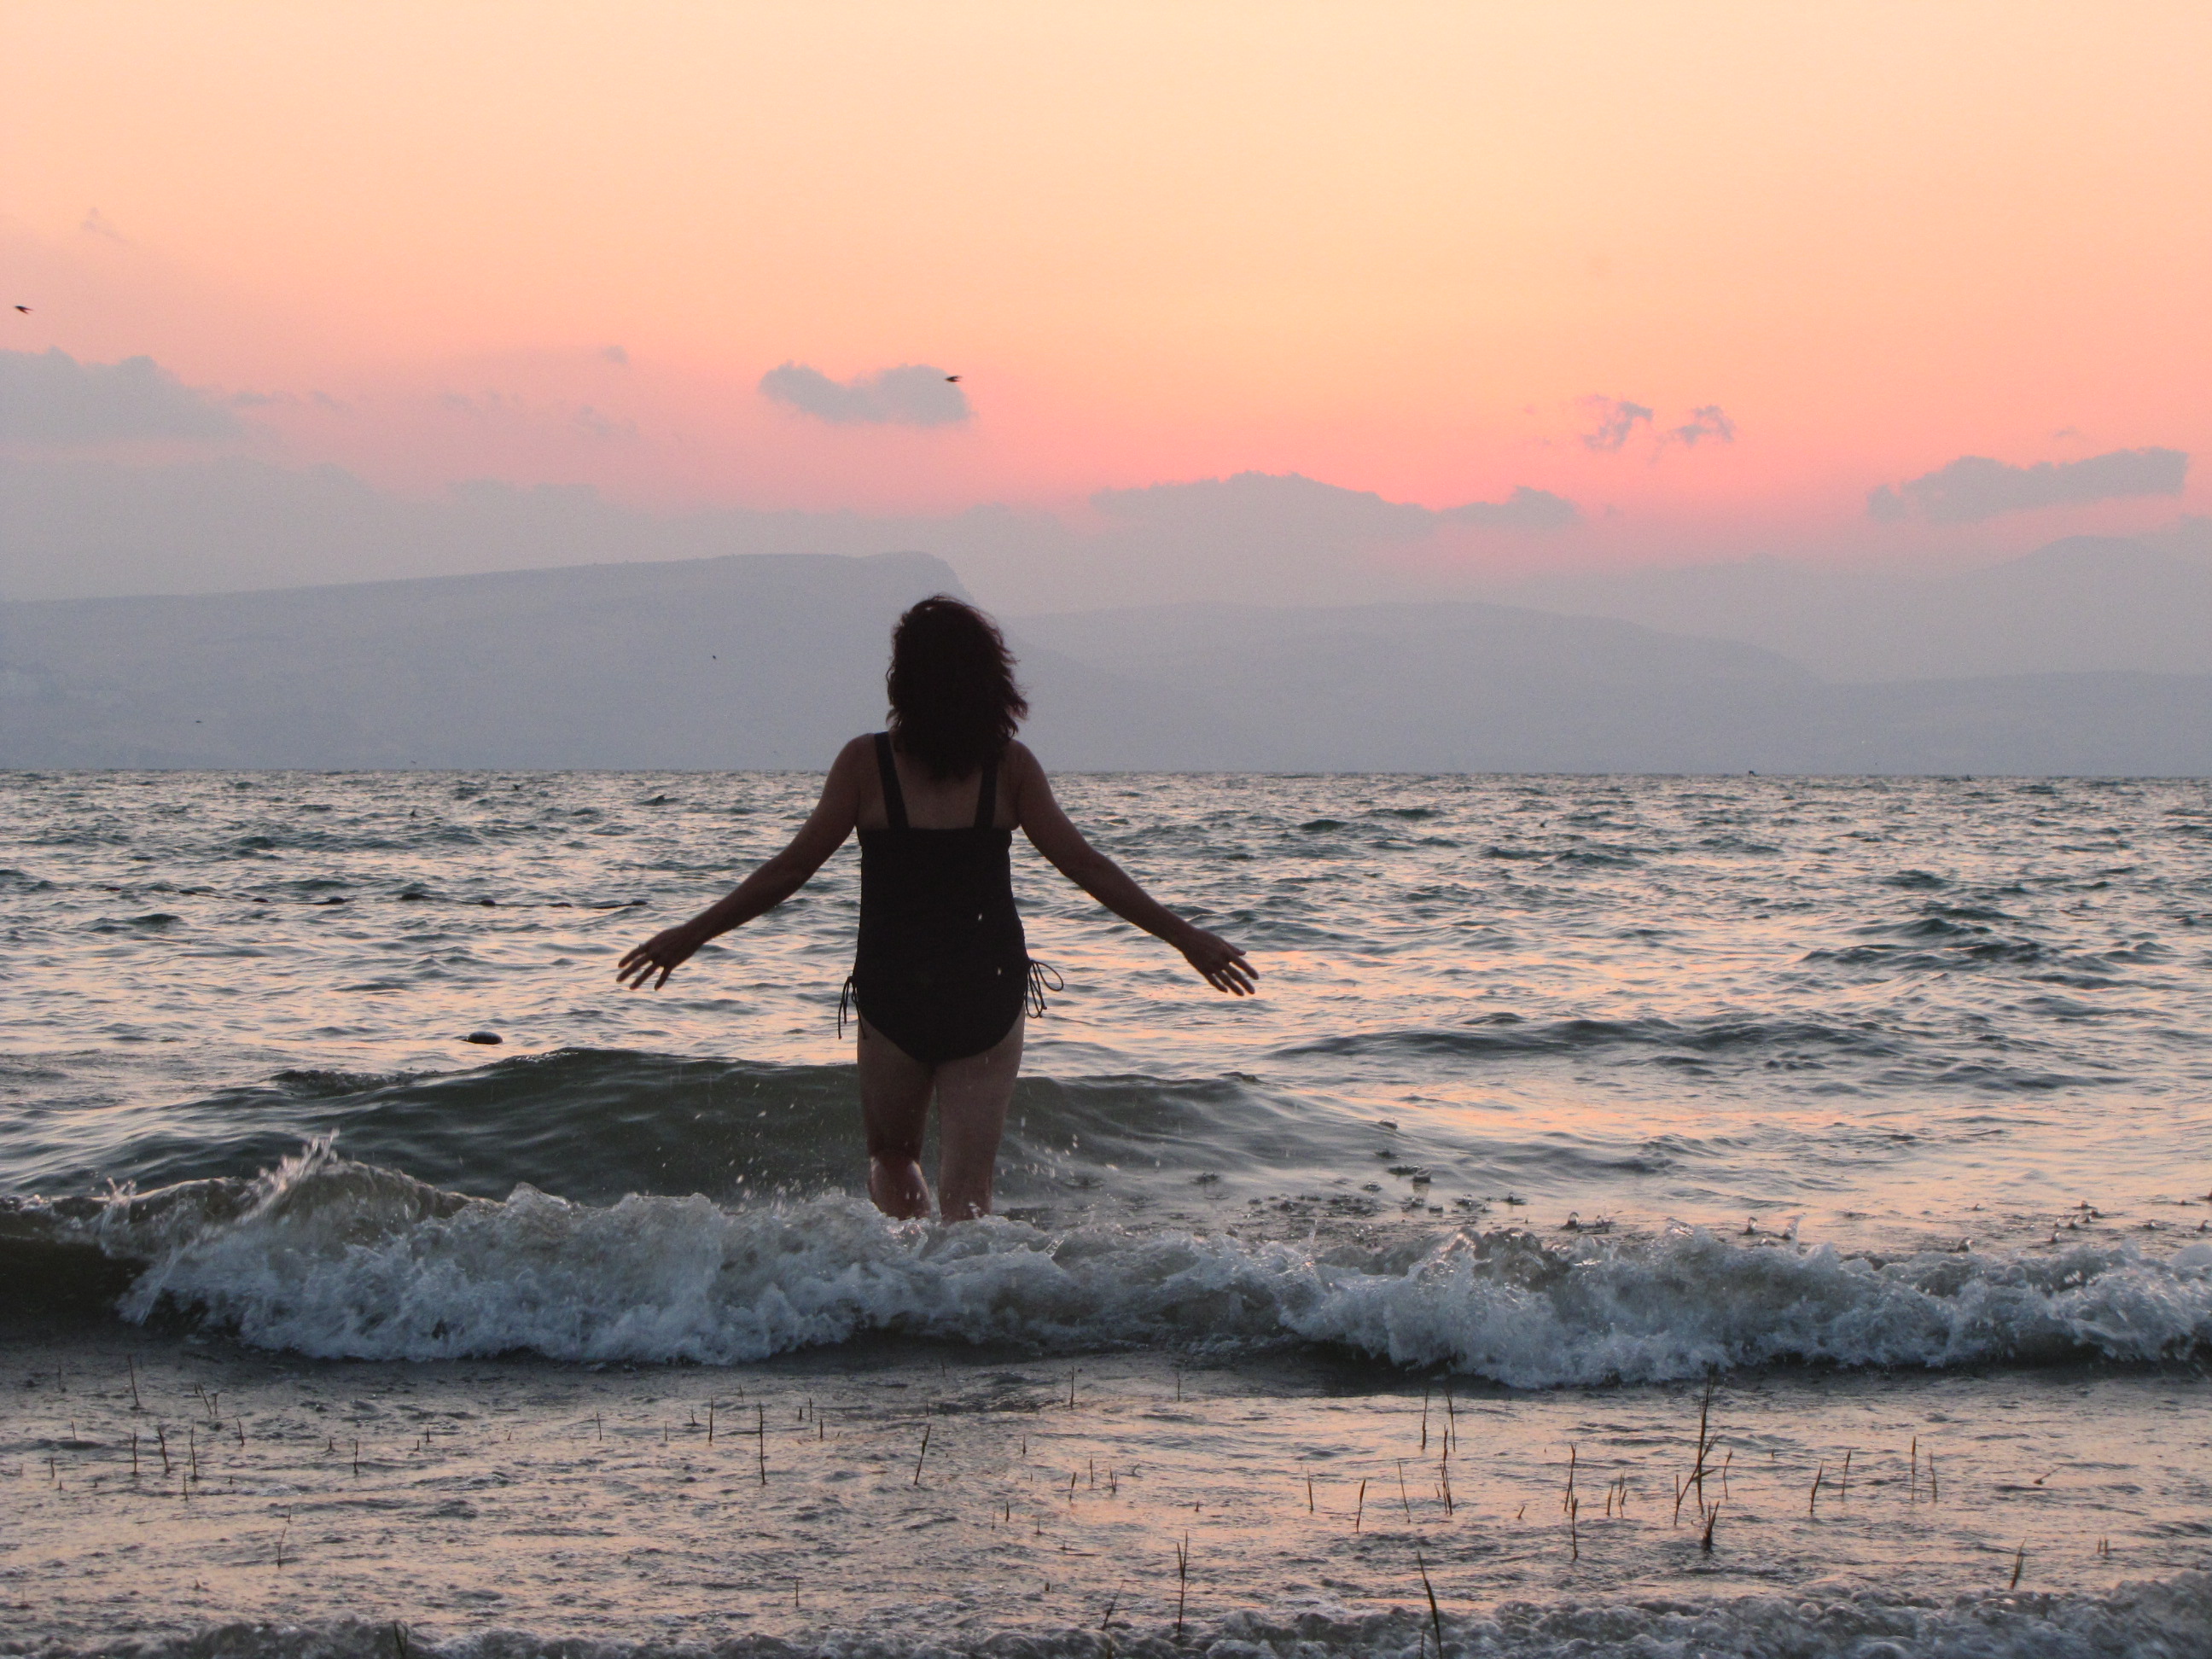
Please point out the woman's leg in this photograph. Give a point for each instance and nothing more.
(894, 1091)
(972, 1096)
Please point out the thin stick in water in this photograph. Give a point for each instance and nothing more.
(1183, 1579)
(1436, 1618)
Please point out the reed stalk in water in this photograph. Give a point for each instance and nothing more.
(2019, 1561)
(1697, 1468)
(1183, 1579)
(923, 1453)
(1436, 1618)
(1360, 1508)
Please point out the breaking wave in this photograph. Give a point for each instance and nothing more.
(333, 1258)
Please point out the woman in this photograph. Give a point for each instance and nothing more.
(942, 973)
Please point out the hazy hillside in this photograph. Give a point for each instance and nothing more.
(2084, 604)
(773, 661)
(1489, 688)
(732, 662)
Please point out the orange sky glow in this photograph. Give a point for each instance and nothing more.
(1396, 247)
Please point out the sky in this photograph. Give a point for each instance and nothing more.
(1638, 281)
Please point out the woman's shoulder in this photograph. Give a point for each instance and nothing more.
(859, 751)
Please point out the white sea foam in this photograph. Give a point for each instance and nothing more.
(331, 1258)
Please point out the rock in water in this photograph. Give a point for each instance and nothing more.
(483, 1037)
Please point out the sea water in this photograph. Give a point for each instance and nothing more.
(1857, 1116)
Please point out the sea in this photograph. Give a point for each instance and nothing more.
(1642, 1215)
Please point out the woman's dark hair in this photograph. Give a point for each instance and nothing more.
(954, 702)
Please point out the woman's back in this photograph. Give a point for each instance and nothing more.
(934, 803)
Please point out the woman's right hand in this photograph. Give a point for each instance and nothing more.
(1219, 963)
(665, 953)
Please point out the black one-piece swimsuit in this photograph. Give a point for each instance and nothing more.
(942, 966)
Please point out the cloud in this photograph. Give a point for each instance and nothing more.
(1709, 421)
(1268, 508)
(911, 394)
(1617, 421)
(490, 402)
(1974, 488)
(51, 398)
(593, 424)
(616, 354)
(1524, 509)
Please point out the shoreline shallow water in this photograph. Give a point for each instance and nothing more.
(900, 1493)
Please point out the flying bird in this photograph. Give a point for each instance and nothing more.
(25, 310)
(949, 379)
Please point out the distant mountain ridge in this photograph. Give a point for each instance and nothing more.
(2085, 603)
(743, 662)
(771, 661)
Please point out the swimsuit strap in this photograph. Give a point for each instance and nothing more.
(894, 801)
(986, 796)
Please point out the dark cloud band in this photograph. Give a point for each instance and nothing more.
(911, 394)
(50, 399)
(1974, 487)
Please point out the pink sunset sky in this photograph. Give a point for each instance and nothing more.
(1713, 273)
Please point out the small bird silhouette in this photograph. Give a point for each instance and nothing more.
(949, 379)
(25, 310)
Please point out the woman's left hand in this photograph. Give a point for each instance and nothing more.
(1221, 965)
(664, 953)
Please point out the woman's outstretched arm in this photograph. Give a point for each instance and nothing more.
(1220, 963)
(822, 834)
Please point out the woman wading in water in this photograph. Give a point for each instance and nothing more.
(942, 979)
